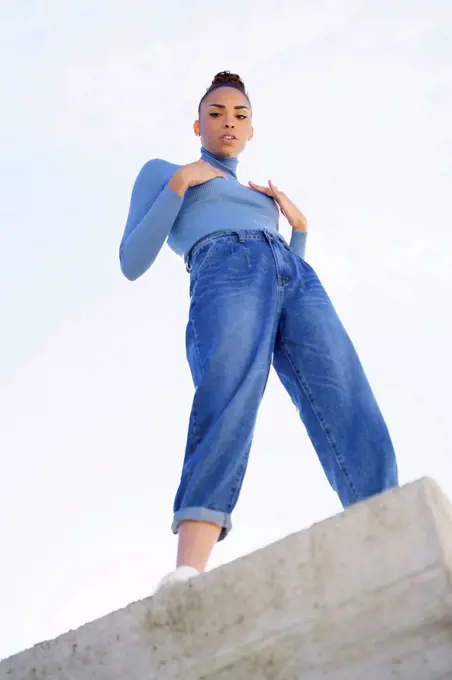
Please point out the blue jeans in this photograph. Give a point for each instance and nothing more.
(254, 302)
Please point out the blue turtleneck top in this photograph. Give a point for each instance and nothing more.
(158, 214)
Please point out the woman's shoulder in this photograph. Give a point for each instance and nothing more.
(159, 168)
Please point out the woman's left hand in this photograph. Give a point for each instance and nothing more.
(293, 215)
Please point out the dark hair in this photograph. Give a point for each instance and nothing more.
(222, 79)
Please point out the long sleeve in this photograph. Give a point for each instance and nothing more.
(298, 242)
(153, 210)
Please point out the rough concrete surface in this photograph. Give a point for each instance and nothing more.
(364, 595)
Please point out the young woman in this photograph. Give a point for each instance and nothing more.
(254, 301)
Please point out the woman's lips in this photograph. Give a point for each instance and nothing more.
(228, 139)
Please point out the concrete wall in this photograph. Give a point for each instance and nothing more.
(365, 595)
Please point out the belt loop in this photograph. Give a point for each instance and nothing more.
(239, 236)
(188, 262)
(267, 236)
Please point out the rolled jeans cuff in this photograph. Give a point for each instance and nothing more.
(221, 519)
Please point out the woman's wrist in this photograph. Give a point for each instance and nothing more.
(178, 183)
(301, 227)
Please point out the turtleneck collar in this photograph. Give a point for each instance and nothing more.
(227, 164)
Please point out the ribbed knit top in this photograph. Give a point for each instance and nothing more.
(157, 214)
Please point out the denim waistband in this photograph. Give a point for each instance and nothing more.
(240, 235)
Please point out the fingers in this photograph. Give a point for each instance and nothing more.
(274, 188)
(263, 190)
(216, 172)
(219, 173)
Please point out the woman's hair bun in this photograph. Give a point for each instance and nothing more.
(228, 78)
(220, 80)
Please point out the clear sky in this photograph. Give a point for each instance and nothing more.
(353, 104)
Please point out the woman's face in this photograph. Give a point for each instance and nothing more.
(224, 112)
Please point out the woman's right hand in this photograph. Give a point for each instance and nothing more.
(193, 174)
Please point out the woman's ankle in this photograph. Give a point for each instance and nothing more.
(196, 541)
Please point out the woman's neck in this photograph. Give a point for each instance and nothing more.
(227, 164)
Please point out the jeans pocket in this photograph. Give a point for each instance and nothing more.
(200, 259)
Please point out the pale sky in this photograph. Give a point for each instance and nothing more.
(353, 103)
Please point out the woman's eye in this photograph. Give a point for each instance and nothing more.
(215, 114)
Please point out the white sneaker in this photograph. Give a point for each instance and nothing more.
(183, 573)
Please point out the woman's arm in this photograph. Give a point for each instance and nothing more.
(154, 207)
(294, 216)
(298, 242)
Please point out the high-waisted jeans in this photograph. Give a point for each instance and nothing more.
(255, 302)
